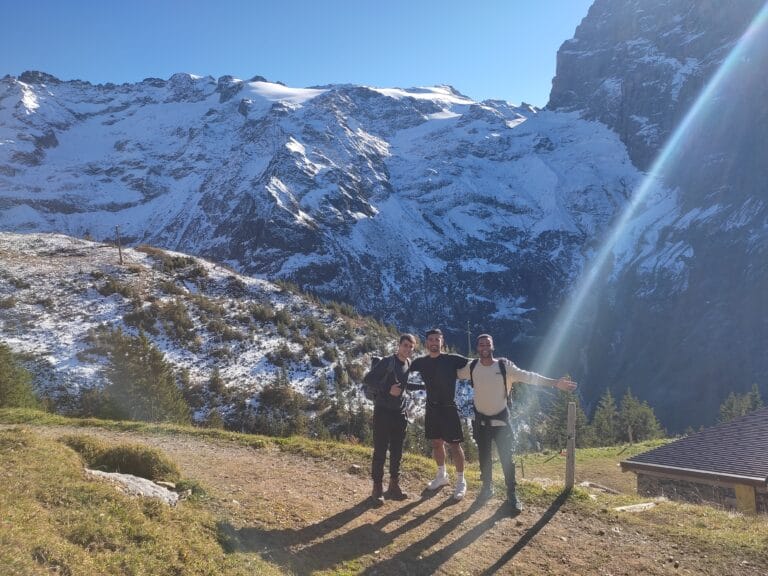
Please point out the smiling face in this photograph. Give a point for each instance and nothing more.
(405, 348)
(485, 347)
(434, 344)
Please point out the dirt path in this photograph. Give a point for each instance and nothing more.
(309, 516)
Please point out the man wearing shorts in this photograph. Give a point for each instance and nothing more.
(442, 422)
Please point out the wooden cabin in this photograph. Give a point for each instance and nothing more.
(726, 465)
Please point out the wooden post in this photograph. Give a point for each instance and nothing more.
(119, 248)
(570, 459)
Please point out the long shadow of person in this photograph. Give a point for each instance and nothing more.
(411, 559)
(549, 513)
(244, 539)
(311, 548)
(433, 561)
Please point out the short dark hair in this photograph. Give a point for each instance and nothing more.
(479, 336)
(410, 337)
(434, 331)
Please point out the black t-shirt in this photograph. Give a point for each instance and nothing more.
(439, 375)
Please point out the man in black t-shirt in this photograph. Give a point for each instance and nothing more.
(442, 423)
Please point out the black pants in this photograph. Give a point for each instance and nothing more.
(388, 434)
(485, 434)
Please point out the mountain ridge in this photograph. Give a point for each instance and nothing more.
(307, 188)
(423, 207)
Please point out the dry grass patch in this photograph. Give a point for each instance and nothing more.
(54, 520)
(136, 459)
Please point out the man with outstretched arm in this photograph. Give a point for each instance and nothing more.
(492, 380)
(442, 423)
(390, 378)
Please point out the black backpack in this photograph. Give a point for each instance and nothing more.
(372, 388)
(369, 387)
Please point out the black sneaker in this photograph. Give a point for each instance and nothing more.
(394, 492)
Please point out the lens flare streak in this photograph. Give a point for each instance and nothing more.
(736, 63)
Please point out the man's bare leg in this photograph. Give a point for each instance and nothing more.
(438, 453)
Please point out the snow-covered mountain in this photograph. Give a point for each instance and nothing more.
(419, 206)
(422, 207)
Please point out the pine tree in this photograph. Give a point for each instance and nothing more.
(336, 418)
(323, 396)
(216, 382)
(214, 419)
(732, 407)
(470, 447)
(755, 400)
(527, 418)
(341, 378)
(737, 405)
(15, 382)
(318, 429)
(361, 423)
(637, 422)
(281, 410)
(415, 439)
(605, 421)
(142, 385)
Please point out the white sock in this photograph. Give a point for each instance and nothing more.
(459, 477)
(441, 471)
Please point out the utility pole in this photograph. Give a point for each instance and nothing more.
(469, 341)
(119, 248)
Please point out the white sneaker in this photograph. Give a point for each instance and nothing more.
(460, 490)
(438, 482)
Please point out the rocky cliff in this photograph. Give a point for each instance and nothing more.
(681, 83)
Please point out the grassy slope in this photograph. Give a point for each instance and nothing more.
(54, 520)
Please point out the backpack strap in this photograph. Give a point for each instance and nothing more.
(391, 368)
(471, 370)
(504, 414)
(502, 369)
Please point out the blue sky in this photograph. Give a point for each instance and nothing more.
(504, 49)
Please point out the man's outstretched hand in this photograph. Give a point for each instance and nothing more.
(565, 384)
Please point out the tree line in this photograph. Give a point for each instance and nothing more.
(140, 384)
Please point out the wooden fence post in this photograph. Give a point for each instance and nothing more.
(570, 459)
(119, 247)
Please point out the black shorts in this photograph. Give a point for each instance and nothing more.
(443, 423)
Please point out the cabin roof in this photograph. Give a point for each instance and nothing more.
(735, 450)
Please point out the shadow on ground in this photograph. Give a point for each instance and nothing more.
(549, 513)
(342, 538)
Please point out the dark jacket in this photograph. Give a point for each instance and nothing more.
(388, 371)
